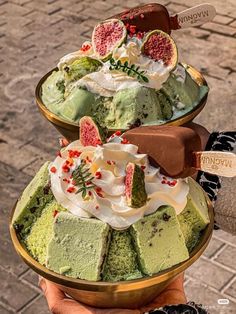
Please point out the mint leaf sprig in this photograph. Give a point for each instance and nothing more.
(131, 70)
(82, 178)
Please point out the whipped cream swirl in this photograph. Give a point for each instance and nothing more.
(106, 201)
(106, 82)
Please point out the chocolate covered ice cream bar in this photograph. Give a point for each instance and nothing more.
(178, 152)
(155, 16)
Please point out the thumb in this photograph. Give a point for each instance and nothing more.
(59, 303)
(51, 292)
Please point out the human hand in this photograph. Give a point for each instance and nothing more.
(59, 303)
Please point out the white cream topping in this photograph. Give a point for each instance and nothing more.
(72, 56)
(107, 201)
(106, 82)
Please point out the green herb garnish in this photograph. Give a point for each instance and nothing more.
(82, 178)
(131, 70)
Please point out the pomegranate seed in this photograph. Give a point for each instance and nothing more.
(108, 162)
(53, 169)
(98, 175)
(124, 141)
(118, 133)
(96, 207)
(173, 183)
(89, 193)
(71, 189)
(65, 168)
(99, 142)
(98, 189)
(55, 213)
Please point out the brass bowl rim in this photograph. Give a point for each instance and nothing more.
(128, 285)
(193, 72)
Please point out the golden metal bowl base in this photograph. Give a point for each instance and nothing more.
(70, 130)
(123, 294)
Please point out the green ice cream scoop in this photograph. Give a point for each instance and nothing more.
(79, 68)
(132, 105)
(79, 103)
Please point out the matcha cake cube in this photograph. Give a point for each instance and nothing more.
(41, 232)
(194, 218)
(159, 241)
(78, 246)
(121, 262)
(32, 201)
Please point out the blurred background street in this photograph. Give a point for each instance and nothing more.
(33, 36)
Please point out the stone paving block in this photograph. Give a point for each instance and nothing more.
(31, 277)
(219, 28)
(233, 24)
(12, 182)
(7, 203)
(203, 270)
(227, 257)
(221, 6)
(231, 290)
(201, 294)
(102, 6)
(226, 237)
(221, 19)
(176, 8)
(39, 307)
(4, 311)
(16, 294)
(213, 247)
(13, 9)
(220, 104)
(9, 259)
(208, 57)
(34, 167)
(9, 153)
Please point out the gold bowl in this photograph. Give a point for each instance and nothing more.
(122, 294)
(70, 130)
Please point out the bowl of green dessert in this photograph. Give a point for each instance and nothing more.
(106, 226)
(122, 80)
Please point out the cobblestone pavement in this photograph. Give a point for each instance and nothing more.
(33, 35)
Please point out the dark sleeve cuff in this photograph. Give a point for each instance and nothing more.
(189, 308)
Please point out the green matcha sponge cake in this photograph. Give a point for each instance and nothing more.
(42, 231)
(194, 218)
(159, 241)
(121, 262)
(78, 246)
(32, 201)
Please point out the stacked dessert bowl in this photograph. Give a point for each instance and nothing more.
(70, 129)
(101, 221)
(122, 79)
(106, 225)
